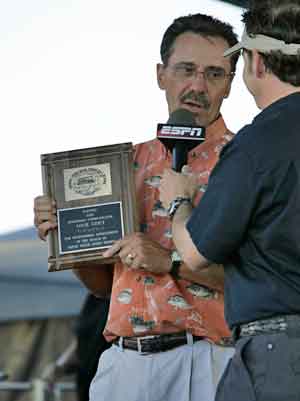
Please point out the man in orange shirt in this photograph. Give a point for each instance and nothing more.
(168, 330)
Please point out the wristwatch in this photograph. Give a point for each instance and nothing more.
(174, 205)
(176, 263)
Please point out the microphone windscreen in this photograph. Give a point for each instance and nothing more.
(182, 117)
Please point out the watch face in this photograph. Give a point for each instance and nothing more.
(172, 208)
(174, 205)
(175, 257)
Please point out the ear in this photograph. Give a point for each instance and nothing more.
(160, 75)
(259, 67)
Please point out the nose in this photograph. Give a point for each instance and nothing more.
(198, 81)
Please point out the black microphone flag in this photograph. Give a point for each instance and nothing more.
(180, 134)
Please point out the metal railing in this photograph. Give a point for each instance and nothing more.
(40, 390)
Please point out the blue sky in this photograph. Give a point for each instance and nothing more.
(81, 73)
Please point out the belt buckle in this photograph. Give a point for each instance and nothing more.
(139, 342)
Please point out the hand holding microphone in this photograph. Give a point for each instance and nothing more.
(179, 135)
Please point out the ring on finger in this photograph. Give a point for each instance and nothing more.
(129, 258)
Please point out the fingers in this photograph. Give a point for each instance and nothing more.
(128, 259)
(44, 228)
(137, 263)
(173, 185)
(186, 170)
(165, 195)
(127, 249)
(43, 218)
(44, 215)
(165, 199)
(44, 203)
(44, 210)
(136, 251)
(167, 174)
(113, 250)
(127, 254)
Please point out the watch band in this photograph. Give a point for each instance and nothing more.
(176, 263)
(174, 272)
(174, 205)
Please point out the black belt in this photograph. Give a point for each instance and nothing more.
(270, 325)
(154, 343)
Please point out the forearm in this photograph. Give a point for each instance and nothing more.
(211, 277)
(194, 261)
(98, 279)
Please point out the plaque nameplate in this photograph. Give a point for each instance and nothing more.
(94, 192)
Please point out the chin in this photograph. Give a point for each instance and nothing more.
(202, 120)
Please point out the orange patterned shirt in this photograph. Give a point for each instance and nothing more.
(143, 303)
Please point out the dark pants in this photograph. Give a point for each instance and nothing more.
(264, 368)
(91, 342)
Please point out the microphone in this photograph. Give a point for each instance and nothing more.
(180, 134)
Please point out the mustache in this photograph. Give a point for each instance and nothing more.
(198, 97)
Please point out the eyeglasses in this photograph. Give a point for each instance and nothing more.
(212, 74)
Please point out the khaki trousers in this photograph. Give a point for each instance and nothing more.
(186, 373)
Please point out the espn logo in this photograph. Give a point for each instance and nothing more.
(179, 132)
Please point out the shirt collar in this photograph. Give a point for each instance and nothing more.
(217, 128)
(277, 106)
(214, 131)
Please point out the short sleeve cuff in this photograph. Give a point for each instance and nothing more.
(203, 245)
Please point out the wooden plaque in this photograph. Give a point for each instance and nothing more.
(95, 196)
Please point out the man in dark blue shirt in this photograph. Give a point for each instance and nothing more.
(249, 218)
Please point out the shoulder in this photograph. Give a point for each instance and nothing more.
(240, 151)
(243, 141)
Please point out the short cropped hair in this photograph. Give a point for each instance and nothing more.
(201, 24)
(280, 20)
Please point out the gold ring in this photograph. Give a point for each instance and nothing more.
(129, 259)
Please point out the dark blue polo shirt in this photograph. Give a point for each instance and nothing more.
(249, 216)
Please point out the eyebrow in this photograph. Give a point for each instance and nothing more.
(191, 64)
(186, 63)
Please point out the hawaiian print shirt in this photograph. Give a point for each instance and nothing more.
(143, 303)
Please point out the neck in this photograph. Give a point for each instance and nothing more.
(272, 90)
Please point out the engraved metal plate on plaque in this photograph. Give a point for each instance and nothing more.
(94, 192)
